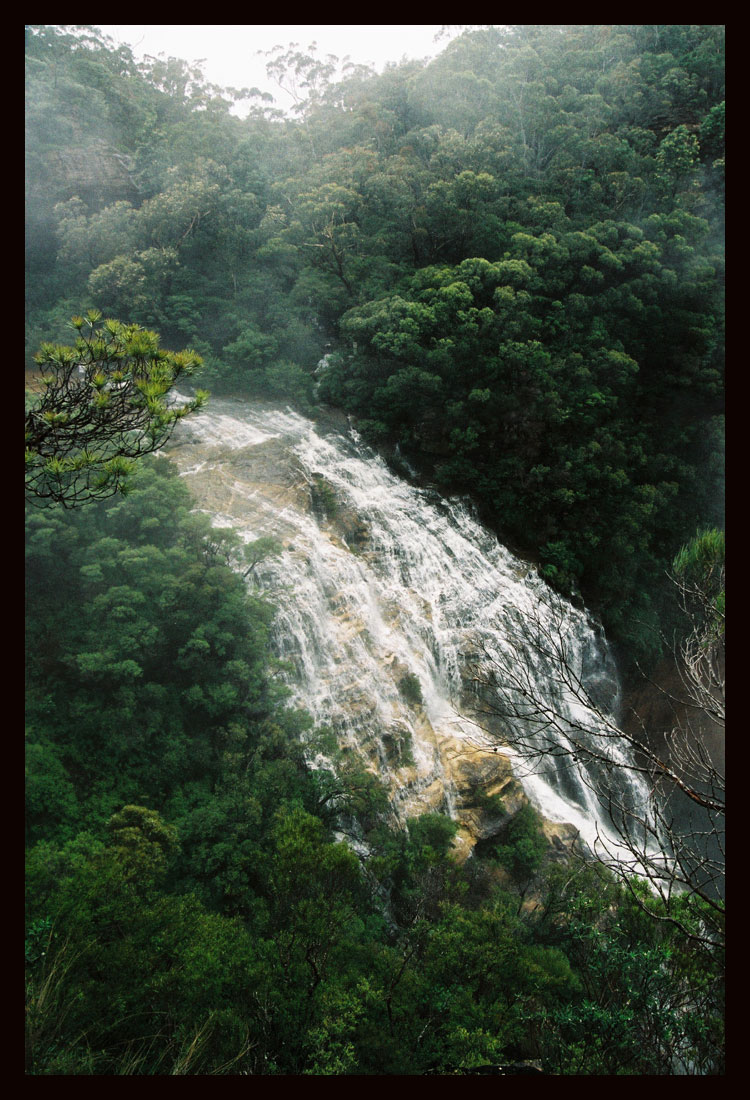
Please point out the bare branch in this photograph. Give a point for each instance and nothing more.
(660, 792)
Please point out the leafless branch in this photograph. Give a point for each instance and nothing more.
(660, 791)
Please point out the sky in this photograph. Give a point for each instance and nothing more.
(231, 51)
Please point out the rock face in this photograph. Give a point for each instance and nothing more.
(691, 743)
(661, 704)
(93, 171)
(383, 593)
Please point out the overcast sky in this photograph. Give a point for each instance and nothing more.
(231, 51)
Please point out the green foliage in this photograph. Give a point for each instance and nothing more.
(411, 689)
(524, 844)
(651, 998)
(142, 842)
(323, 497)
(102, 404)
(701, 561)
(699, 572)
(158, 673)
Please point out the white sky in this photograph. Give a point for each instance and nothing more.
(230, 51)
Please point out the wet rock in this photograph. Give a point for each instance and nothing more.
(386, 602)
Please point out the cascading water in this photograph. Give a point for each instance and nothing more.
(392, 604)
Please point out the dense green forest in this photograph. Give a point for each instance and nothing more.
(510, 262)
(189, 907)
(514, 254)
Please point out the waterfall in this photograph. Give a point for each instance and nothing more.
(400, 616)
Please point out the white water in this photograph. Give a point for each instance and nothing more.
(390, 580)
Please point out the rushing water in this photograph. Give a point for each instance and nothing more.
(392, 603)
